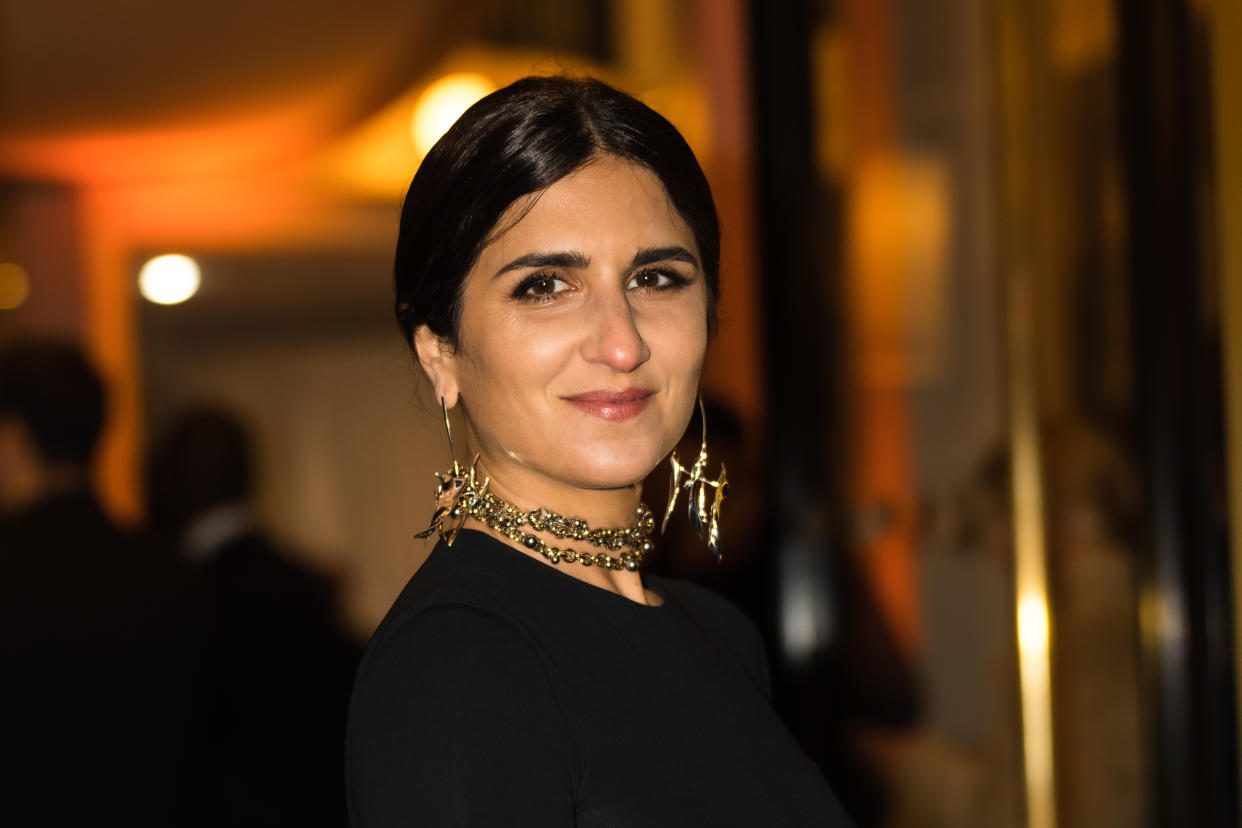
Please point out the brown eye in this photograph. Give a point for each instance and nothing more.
(539, 287)
(543, 287)
(650, 279)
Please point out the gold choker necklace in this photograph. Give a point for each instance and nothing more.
(460, 495)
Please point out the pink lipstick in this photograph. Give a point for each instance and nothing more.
(612, 405)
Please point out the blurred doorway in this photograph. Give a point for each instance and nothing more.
(1001, 481)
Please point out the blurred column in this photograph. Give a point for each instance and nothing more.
(723, 62)
(111, 336)
(1227, 101)
(881, 190)
(1166, 98)
(1025, 203)
(803, 333)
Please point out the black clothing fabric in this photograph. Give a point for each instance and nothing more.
(101, 674)
(501, 691)
(280, 679)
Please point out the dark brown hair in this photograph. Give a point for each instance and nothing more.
(521, 140)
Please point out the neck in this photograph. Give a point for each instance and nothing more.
(600, 508)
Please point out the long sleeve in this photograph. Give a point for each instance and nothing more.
(453, 723)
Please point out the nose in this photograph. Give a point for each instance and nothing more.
(613, 338)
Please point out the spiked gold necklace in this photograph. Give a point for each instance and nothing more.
(459, 495)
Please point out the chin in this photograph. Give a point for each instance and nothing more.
(607, 470)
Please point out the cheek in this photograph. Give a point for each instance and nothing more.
(681, 340)
(507, 358)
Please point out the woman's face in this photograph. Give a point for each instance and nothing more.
(582, 336)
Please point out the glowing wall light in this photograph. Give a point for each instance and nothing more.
(442, 103)
(14, 286)
(1033, 628)
(169, 279)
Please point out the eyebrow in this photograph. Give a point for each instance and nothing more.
(575, 259)
(567, 259)
(674, 253)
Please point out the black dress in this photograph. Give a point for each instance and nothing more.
(502, 691)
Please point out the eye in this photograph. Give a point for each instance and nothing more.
(539, 287)
(656, 279)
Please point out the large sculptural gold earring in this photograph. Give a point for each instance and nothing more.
(697, 484)
(449, 491)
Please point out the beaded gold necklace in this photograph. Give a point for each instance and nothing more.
(460, 495)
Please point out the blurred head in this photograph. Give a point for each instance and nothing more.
(202, 461)
(51, 415)
(557, 274)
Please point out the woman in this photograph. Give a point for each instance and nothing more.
(556, 275)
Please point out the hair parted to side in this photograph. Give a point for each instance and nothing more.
(517, 141)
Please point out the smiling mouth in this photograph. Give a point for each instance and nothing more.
(612, 405)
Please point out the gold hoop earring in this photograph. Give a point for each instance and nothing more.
(697, 484)
(449, 490)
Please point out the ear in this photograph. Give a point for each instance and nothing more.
(438, 360)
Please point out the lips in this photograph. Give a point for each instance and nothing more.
(612, 405)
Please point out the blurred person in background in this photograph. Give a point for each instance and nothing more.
(281, 665)
(100, 638)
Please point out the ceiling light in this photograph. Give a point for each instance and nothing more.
(169, 279)
(442, 103)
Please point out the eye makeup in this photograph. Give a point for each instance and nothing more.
(538, 287)
(672, 279)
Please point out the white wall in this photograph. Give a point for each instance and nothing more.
(346, 445)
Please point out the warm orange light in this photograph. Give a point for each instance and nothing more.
(169, 279)
(14, 286)
(442, 103)
(900, 223)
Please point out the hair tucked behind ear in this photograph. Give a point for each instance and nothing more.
(517, 141)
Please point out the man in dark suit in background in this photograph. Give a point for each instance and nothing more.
(101, 646)
(282, 667)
